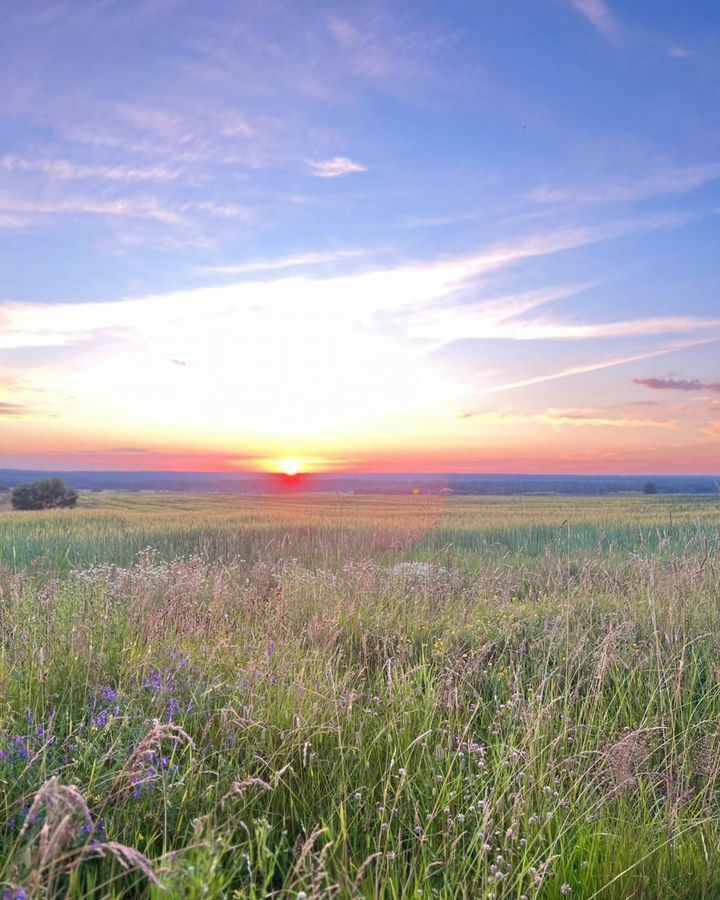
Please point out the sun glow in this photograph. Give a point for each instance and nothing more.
(289, 467)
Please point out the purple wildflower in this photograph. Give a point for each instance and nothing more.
(20, 747)
(173, 709)
(101, 720)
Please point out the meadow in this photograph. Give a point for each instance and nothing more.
(394, 697)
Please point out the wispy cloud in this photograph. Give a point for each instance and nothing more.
(136, 451)
(8, 410)
(600, 17)
(490, 323)
(384, 49)
(21, 211)
(66, 170)
(656, 184)
(649, 327)
(300, 260)
(335, 167)
(17, 213)
(219, 210)
(580, 418)
(592, 419)
(678, 384)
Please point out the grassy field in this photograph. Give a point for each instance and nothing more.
(361, 697)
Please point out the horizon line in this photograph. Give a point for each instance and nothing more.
(366, 474)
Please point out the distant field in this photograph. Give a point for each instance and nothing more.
(329, 529)
(394, 697)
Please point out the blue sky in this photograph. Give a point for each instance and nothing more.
(466, 236)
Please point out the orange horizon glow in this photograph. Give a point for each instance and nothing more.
(704, 463)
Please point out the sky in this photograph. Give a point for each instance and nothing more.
(381, 236)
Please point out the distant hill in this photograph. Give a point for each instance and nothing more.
(241, 483)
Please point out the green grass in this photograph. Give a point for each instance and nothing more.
(377, 697)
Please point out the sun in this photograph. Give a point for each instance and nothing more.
(289, 467)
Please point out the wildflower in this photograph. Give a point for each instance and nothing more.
(20, 747)
(391, 855)
(173, 709)
(101, 720)
(565, 890)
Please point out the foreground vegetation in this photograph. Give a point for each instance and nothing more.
(338, 697)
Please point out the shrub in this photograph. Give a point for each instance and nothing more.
(48, 493)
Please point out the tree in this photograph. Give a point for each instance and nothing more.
(48, 493)
(650, 488)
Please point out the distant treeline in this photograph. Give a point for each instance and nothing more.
(210, 482)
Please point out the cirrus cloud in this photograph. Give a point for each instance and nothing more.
(335, 167)
(600, 17)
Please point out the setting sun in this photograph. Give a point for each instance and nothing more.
(289, 467)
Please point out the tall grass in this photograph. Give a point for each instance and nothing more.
(330, 530)
(375, 698)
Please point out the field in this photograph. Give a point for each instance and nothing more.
(361, 697)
